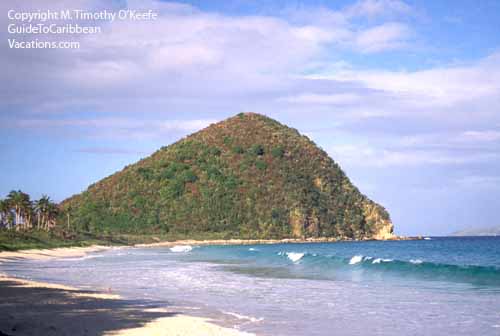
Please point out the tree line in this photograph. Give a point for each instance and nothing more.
(19, 212)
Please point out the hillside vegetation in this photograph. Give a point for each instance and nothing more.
(246, 177)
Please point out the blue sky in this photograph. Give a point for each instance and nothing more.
(405, 96)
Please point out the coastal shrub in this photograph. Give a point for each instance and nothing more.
(261, 165)
(277, 152)
(189, 176)
(231, 183)
(213, 172)
(215, 151)
(175, 188)
(228, 141)
(145, 173)
(172, 169)
(238, 150)
(257, 149)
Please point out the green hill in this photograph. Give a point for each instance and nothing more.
(245, 177)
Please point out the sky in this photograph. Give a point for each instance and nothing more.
(404, 95)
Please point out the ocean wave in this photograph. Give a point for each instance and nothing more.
(86, 257)
(356, 260)
(293, 256)
(181, 248)
(487, 275)
(381, 260)
(245, 317)
(252, 249)
(359, 258)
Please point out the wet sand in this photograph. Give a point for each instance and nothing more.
(44, 254)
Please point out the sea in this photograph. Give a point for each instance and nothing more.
(434, 286)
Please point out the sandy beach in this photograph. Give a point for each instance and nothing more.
(257, 241)
(41, 254)
(38, 308)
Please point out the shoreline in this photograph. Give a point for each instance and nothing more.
(33, 307)
(263, 241)
(77, 251)
(59, 252)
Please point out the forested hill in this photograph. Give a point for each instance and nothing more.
(245, 177)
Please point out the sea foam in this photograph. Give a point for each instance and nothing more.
(92, 256)
(380, 260)
(293, 256)
(356, 259)
(181, 248)
(244, 317)
(359, 258)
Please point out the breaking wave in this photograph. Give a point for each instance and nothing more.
(356, 260)
(293, 256)
(484, 275)
(181, 248)
(381, 260)
(487, 275)
(244, 317)
(85, 257)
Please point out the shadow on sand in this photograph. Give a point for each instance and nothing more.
(48, 311)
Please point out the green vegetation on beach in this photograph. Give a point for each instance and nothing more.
(11, 240)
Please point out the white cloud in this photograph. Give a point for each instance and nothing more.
(344, 30)
(449, 92)
(115, 127)
(387, 36)
(328, 99)
(189, 53)
(365, 155)
(483, 140)
(373, 8)
(186, 125)
(195, 61)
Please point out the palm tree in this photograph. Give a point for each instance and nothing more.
(26, 210)
(28, 213)
(16, 201)
(42, 208)
(68, 213)
(4, 213)
(52, 213)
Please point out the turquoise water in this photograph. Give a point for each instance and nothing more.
(441, 286)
